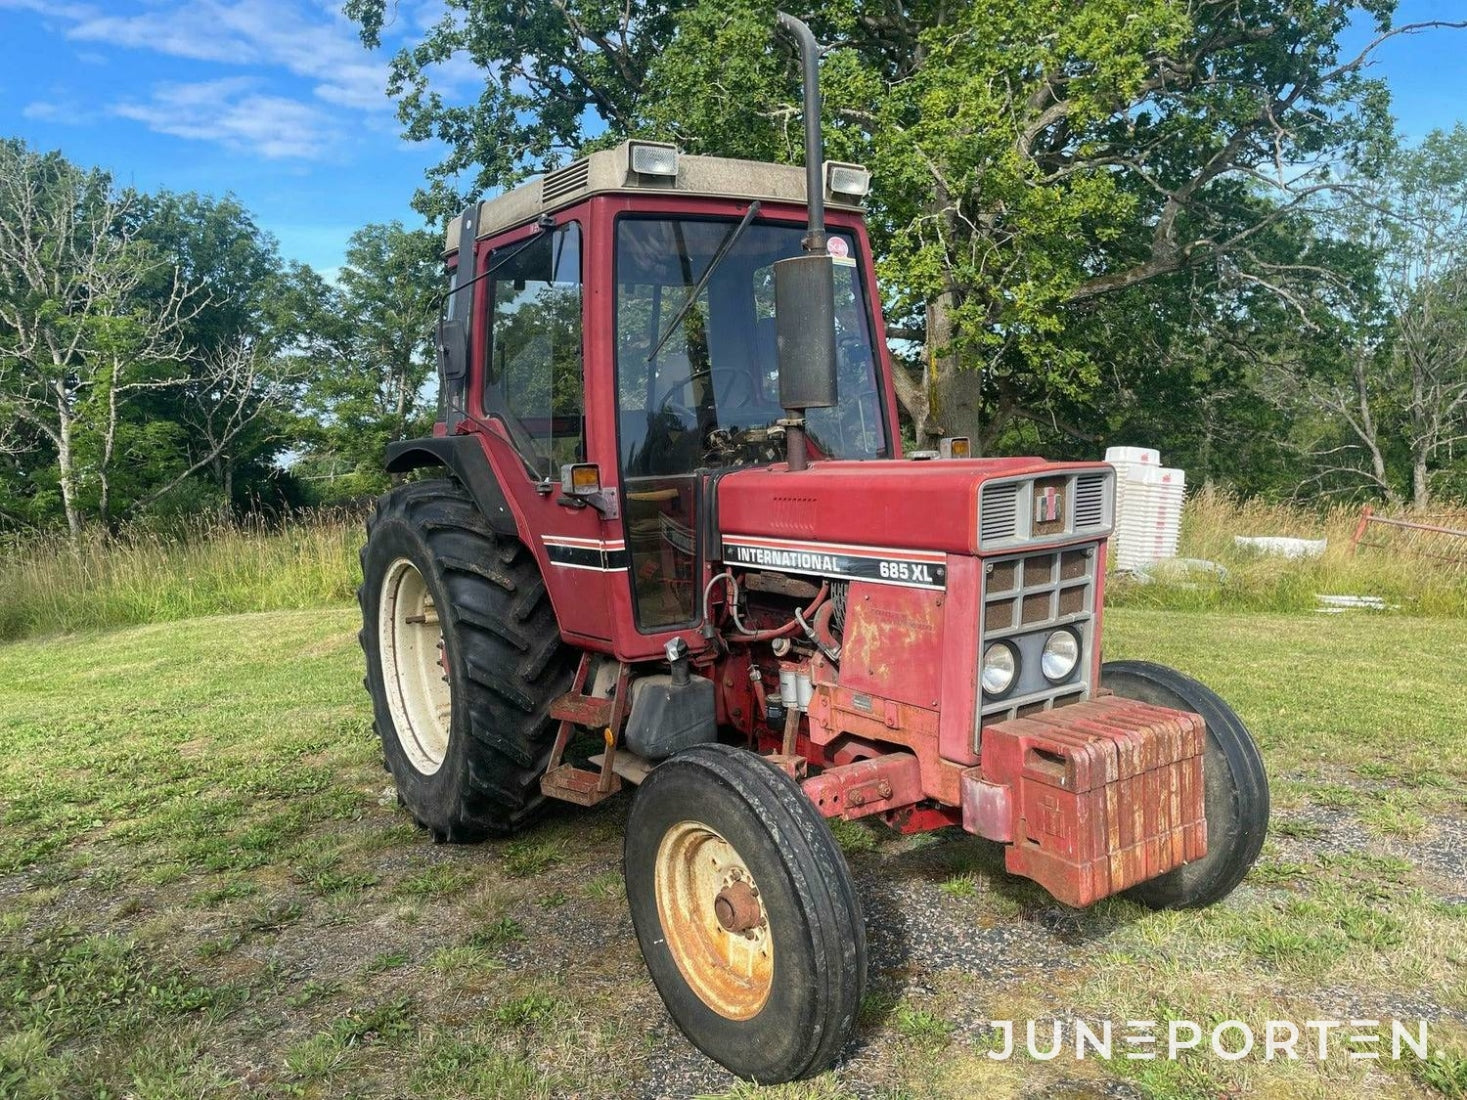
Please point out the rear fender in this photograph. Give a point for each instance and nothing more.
(464, 457)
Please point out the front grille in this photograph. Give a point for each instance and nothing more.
(998, 515)
(1025, 597)
(1089, 501)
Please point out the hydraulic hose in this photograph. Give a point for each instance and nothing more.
(744, 633)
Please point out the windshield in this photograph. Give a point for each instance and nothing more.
(709, 396)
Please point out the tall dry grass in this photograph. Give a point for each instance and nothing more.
(1413, 573)
(213, 568)
(210, 567)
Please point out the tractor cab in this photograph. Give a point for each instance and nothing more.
(612, 338)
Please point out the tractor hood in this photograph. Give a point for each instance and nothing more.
(909, 504)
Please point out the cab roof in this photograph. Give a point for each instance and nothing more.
(610, 172)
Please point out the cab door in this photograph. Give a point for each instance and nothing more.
(532, 390)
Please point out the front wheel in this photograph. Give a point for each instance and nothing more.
(746, 914)
(1235, 787)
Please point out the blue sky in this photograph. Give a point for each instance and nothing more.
(277, 102)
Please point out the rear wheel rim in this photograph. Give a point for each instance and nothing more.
(699, 875)
(414, 667)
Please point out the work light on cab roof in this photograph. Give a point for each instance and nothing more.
(666, 538)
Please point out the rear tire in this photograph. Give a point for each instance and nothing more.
(466, 735)
(769, 988)
(1236, 787)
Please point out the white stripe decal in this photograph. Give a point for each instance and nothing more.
(936, 557)
(603, 556)
(589, 544)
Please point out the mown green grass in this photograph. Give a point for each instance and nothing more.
(1384, 696)
(206, 888)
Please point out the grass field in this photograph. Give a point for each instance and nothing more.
(207, 889)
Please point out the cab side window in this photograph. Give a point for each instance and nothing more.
(534, 379)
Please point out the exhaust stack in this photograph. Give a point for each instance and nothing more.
(804, 286)
(814, 151)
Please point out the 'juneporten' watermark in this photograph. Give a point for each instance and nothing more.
(1230, 1040)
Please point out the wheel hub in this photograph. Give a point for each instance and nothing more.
(714, 920)
(415, 671)
(737, 907)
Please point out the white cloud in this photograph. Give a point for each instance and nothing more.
(231, 113)
(266, 39)
(63, 111)
(308, 42)
(42, 111)
(48, 7)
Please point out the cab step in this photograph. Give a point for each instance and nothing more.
(571, 784)
(605, 715)
(583, 710)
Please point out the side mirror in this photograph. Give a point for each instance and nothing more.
(453, 349)
(804, 325)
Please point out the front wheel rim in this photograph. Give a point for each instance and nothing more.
(714, 920)
(414, 666)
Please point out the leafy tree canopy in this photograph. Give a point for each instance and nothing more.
(1048, 174)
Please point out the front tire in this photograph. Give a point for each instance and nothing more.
(464, 657)
(746, 914)
(1235, 794)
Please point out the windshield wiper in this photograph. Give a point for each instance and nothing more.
(723, 250)
(543, 226)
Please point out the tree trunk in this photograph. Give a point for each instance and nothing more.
(1423, 438)
(65, 464)
(954, 397)
(104, 505)
(1368, 433)
(399, 415)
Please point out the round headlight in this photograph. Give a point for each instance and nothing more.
(1061, 654)
(999, 667)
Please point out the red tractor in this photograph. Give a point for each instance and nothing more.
(672, 512)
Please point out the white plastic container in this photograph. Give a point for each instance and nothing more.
(1128, 456)
(1148, 513)
(1126, 459)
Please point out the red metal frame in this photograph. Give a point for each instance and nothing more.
(1368, 516)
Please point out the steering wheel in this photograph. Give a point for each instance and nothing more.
(667, 405)
(733, 389)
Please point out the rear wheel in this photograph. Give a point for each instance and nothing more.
(746, 913)
(1236, 787)
(463, 659)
